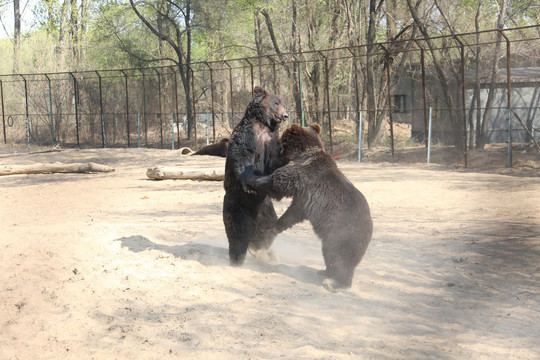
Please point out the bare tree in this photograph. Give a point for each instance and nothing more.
(316, 27)
(63, 35)
(83, 30)
(290, 69)
(476, 94)
(374, 121)
(177, 15)
(482, 140)
(442, 75)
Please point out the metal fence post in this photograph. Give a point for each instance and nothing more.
(327, 92)
(127, 107)
(360, 136)
(463, 105)
(50, 109)
(3, 112)
(509, 140)
(176, 102)
(429, 138)
(76, 96)
(26, 112)
(388, 60)
(207, 129)
(159, 114)
(424, 101)
(231, 89)
(509, 97)
(144, 108)
(102, 117)
(172, 129)
(301, 95)
(212, 101)
(138, 130)
(193, 101)
(357, 97)
(28, 133)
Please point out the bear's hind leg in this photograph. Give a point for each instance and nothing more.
(263, 236)
(340, 265)
(266, 218)
(237, 250)
(337, 279)
(239, 228)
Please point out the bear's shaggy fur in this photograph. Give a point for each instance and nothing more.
(216, 149)
(320, 193)
(253, 149)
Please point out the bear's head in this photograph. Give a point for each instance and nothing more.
(267, 108)
(298, 140)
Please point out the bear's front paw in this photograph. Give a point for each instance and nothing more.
(246, 177)
(247, 189)
(251, 181)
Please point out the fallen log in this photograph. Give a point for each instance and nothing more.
(185, 151)
(54, 168)
(175, 173)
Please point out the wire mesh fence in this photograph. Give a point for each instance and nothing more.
(465, 90)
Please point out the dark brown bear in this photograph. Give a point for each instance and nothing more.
(253, 149)
(216, 149)
(320, 193)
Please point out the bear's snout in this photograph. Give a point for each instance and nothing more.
(282, 117)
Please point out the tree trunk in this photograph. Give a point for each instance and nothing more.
(374, 125)
(258, 39)
(183, 52)
(292, 73)
(477, 77)
(63, 38)
(74, 31)
(185, 73)
(494, 70)
(390, 20)
(314, 75)
(16, 35)
(84, 31)
(457, 126)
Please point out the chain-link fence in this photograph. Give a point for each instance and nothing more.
(462, 90)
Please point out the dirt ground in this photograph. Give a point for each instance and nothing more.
(117, 266)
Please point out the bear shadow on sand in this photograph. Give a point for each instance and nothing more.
(210, 255)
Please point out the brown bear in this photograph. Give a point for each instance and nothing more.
(321, 193)
(216, 149)
(253, 149)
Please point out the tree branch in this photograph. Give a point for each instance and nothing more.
(154, 30)
(381, 2)
(271, 31)
(448, 24)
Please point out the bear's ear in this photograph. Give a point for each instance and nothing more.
(295, 128)
(316, 127)
(258, 91)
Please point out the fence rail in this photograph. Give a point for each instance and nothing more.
(469, 86)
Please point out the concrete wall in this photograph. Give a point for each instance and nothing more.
(525, 102)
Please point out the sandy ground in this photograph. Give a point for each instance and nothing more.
(116, 266)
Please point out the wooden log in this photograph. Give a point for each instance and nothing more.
(185, 151)
(54, 168)
(175, 173)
